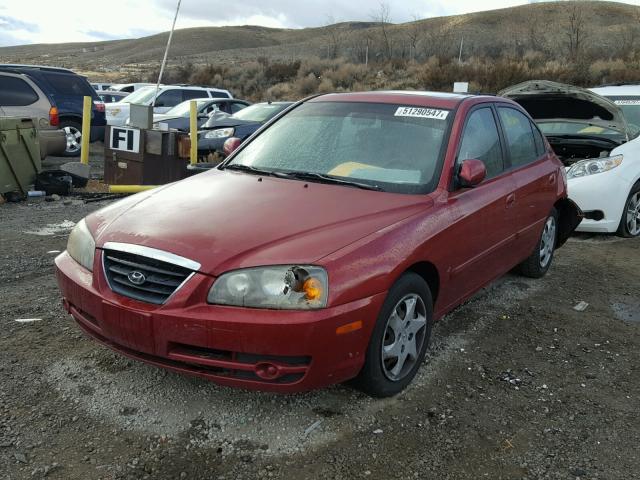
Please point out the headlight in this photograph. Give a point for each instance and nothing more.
(81, 246)
(593, 166)
(220, 133)
(280, 287)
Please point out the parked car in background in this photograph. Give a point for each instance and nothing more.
(178, 117)
(600, 150)
(325, 247)
(21, 97)
(240, 125)
(66, 90)
(167, 97)
(100, 86)
(627, 97)
(130, 87)
(111, 96)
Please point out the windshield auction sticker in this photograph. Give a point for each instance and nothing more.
(627, 102)
(421, 113)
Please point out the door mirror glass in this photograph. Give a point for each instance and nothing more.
(472, 172)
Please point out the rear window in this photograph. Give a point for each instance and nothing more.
(69, 84)
(15, 92)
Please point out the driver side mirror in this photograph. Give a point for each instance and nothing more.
(471, 173)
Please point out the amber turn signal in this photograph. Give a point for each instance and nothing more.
(312, 288)
(349, 327)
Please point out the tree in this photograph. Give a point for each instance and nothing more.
(576, 31)
(383, 18)
(336, 37)
(414, 32)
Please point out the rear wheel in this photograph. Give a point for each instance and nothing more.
(73, 132)
(630, 221)
(400, 338)
(538, 263)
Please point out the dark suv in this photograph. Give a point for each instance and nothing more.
(65, 90)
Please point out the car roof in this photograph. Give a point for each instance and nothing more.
(410, 97)
(10, 66)
(628, 90)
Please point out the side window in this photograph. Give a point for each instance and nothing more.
(236, 107)
(15, 92)
(216, 94)
(191, 94)
(519, 133)
(69, 84)
(128, 89)
(480, 141)
(170, 98)
(537, 137)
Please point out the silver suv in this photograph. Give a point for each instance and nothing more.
(21, 97)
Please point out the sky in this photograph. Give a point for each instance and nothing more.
(47, 21)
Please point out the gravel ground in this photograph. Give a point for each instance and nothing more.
(518, 385)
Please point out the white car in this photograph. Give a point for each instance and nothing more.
(600, 150)
(129, 87)
(168, 97)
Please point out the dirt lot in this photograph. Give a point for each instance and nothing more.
(518, 385)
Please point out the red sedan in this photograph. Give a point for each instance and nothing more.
(326, 245)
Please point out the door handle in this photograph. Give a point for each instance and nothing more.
(552, 179)
(511, 199)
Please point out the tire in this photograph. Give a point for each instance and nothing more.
(538, 263)
(385, 377)
(73, 131)
(630, 221)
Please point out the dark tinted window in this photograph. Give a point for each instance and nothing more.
(170, 98)
(128, 89)
(69, 84)
(15, 92)
(190, 94)
(215, 94)
(236, 107)
(537, 137)
(517, 128)
(480, 141)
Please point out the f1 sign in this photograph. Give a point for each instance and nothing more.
(125, 139)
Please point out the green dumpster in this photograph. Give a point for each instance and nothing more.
(19, 155)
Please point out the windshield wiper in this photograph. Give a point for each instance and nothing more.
(322, 178)
(247, 168)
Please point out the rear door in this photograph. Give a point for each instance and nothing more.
(20, 97)
(534, 173)
(480, 214)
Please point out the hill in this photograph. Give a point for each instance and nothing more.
(604, 29)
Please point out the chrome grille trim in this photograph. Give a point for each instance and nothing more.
(153, 253)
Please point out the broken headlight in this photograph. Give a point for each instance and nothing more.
(220, 133)
(278, 287)
(81, 246)
(593, 166)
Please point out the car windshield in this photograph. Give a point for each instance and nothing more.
(630, 106)
(395, 148)
(183, 109)
(260, 112)
(143, 96)
(579, 128)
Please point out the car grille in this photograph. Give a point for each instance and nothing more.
(142, 278)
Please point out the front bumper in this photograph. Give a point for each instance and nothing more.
(281, 351)
(604, 193)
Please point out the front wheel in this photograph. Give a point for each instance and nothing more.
(73, 132)
(630, 221)
(400, 338)
(538, 263)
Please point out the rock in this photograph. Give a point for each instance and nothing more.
(578, 472)
(20, 457)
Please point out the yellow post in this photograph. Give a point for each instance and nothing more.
(193, 134)
(130, 188)
(86, 130)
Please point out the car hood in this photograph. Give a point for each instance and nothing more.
(226, 220)
(548, 101)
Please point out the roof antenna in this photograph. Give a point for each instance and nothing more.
(166, 52)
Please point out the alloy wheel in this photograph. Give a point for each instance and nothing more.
(404, 337)
(74, 137)
(548, 241)
(633, 214)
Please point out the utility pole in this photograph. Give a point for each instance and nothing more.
(460, 55)
(166, 52)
